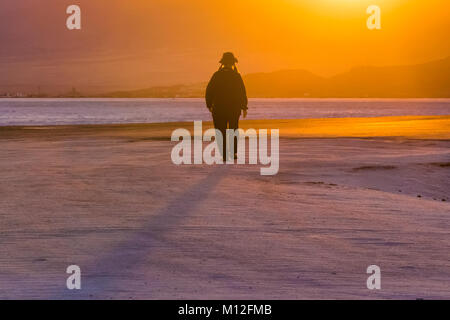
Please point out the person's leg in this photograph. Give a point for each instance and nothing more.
(227, 140)
(234, 124)
(220, 123)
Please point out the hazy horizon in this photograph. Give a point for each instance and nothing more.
(282, 77)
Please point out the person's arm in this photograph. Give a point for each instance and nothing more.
(244, 99)
(209, 95)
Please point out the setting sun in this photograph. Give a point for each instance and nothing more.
(141, 43)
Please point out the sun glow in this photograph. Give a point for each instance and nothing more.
(146, 43)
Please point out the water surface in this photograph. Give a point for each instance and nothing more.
(109, 111)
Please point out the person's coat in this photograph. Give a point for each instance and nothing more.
(226, 92)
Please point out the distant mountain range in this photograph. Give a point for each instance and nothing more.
(431, 80)
(428, 80)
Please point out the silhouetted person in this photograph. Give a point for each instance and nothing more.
(226, 98)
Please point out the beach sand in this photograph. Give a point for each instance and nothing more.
(350, 193)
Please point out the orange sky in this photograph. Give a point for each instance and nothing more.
(140, 43)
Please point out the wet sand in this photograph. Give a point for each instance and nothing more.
(350, 193)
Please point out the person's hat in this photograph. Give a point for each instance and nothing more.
(228, 58)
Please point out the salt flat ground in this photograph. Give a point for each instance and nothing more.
(111, 201)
